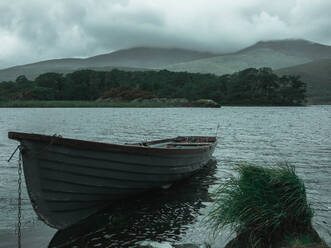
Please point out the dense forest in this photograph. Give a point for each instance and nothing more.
(248, 87)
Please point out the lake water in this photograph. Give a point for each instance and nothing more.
(299, 135)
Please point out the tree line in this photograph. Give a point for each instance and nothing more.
(247, 87)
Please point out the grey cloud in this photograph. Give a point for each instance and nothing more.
(43, 29)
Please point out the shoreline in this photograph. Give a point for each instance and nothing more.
(82, 104)
(118, 104)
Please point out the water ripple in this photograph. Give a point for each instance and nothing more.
(300, 136)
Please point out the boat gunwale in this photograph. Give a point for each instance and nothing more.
(142, 148)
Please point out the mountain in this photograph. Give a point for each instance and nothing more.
(146, 57)
(138, 58)
(317, 75)
(274, 54)
(294, 47)
(227, 64)
(310, 60)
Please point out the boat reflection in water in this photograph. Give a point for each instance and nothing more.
(158, 215)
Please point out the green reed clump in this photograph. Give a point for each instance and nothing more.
(261, 205)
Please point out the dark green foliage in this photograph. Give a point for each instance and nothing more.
(247, 87)
(22, 80)
(262, 205)
(40, 93)
(127, 94)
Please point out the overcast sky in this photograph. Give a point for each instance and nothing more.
(33, 30)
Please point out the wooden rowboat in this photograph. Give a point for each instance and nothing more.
(69, 179)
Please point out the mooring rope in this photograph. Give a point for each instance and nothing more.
(218, 126)
(12, 155)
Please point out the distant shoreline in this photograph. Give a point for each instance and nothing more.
(117, 104)
(84, 104)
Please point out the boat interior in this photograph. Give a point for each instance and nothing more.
(180, 142)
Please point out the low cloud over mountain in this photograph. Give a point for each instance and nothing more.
(37, 30)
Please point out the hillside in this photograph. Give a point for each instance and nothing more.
(317, 75)
(273, 54)
(139, 58)
(294, 47)
(227, 64)
(146, 57)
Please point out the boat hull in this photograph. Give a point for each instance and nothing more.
(67, 183)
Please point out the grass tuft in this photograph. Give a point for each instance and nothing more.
(262, 205)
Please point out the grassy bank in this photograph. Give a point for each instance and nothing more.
(94, 104)
(84, 104)
(264, 207)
